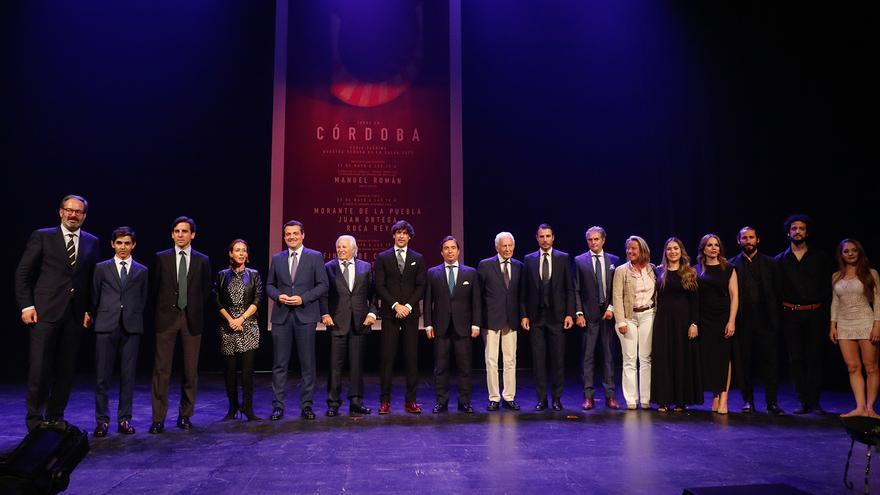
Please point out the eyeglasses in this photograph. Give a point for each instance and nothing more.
(71, 211)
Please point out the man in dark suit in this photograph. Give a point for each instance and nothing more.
(594, 273)
(53, 285)
(499, 287)
(547, 307)
(757, 321)
(400, 284)
(348, 311)
(453, 312)
(119, 295)
(297, 282)
(180, 283)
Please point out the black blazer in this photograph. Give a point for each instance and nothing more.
(345, 305)
(586, 289)
(253, 290)
(500, 304)
(561, 287)
(45, 280)
(163, 286)
(405, 288)
(769, 274)
(113, 303)
(462, 309)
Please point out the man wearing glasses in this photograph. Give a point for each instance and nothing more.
(53, 290)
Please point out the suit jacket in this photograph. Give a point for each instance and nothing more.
(500, 304)
(310, 285)
(345, 305)
(45, 280)
(392, 286)
(586, 287)
(623, 295)
(163, 286)
(113, 302)
(561, 287)
(462, 309)
(766, 266)
(253, 290)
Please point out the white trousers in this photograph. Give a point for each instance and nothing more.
(635, 345)
(507, 339)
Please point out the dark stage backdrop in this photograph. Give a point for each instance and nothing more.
(652, 118)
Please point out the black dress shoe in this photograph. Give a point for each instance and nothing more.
(125, 427)
(359, 409)
(510, 404)
(774, 409)
(439, 408)
(466, 408)
(541, 405)
(557, 405)
(333, 412)
(307, 413)
(803, 409)
(493, 405)
(749, 408)
(101, 429)
(157, 428)
(817, 409)
(277, 414)
(184, 423)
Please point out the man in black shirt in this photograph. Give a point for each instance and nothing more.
(804, 279)
(757, 322)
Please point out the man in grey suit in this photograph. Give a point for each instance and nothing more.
(297, 281)
(119, 294)
(348, 311)
(499, 284)
(594, 273)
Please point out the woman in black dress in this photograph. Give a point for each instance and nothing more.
(719, 300)
(676, 374)
(239, 291)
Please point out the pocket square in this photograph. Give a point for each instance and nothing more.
(465, 283)
(611, 267)
(413, 263)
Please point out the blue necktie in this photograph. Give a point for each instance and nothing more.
(123, 274)
(451, 279)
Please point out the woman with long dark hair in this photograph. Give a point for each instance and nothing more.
(855, 322)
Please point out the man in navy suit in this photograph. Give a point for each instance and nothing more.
(499, 285)
(348, 310)
(53, 285)
(452, 316)
(594, 272)
(119, 295)
(181, 287)
(547, 307)
(297, 281)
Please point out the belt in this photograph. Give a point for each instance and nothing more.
(640, 310)
(800, 307)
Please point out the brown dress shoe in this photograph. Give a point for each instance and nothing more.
(413, 408)
(588, 404)
(125, 427)
(611, 403)
(385, 408)
(101, 430)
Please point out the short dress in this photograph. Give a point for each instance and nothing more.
(850, 308)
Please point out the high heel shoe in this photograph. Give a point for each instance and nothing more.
(231, 414)
(249, 414)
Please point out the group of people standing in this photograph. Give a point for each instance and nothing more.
(683, 328)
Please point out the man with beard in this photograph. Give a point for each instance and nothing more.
(757, 322)
(805, 290)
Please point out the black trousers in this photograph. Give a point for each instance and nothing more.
(354, 345)
(53, 348)
(107, 347)
(546, 337)
(463, 356)
(756, 347)
(804, 333)
(393, 331)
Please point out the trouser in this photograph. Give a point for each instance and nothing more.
(463, 356)
(107, 346)
(544, 336)
(507, 340)
(804, 332)
(756, 344)
(53, 348)
(635, 345)
(165, 340)
(394, 330)
(283, 336)
(601, 331)
(354, 345)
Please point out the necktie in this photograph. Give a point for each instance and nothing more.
(345, 274)
(451, 278)
(400, 263)
(506, 273)
(600, 280)
(123, 274)
(545, 268)
(71, 251)
(181, 281)
(293, 265)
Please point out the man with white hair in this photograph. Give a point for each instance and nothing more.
(499, 279)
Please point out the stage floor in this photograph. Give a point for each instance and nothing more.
(573, 451)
